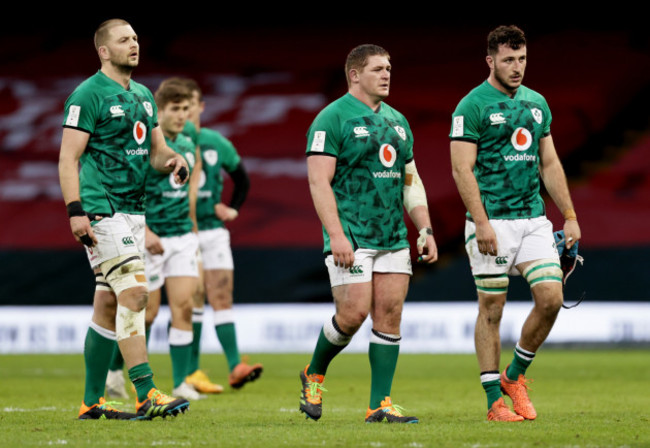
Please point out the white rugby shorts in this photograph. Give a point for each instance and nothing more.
(518, 241)
(117, 235)
(178, 260)
(215, 249)
(367, 261)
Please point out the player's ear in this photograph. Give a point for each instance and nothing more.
(490, 61)
(354, 75)
(103, 52)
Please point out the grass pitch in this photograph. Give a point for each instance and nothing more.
(583, 398)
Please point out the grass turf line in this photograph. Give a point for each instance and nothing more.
(583, 398)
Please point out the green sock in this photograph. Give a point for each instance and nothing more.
(117, 362)
(383, 353)
(197, 327)
(228, 339)
(491, 383)
(180, 350)
(98, 349)
(142, 378)
(520, 362)
(324, 352)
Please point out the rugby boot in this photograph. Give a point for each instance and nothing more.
(200, 381)
(103, 410)
(388, 412)
(158, 404)
(518, 393)
(500, 412)
(244, 373)
(311, 394)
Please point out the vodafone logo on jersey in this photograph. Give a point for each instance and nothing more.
(139, 132)
(387, 155)
(173, 182)
(521, 139)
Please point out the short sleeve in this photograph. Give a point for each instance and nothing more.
(465, 122)
(230, 158)
(323, 136)
(81, 111)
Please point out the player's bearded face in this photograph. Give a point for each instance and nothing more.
(509, 67)
(123, 48)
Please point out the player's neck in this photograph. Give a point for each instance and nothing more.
(372, 102)
(494, 82)
(121, 77)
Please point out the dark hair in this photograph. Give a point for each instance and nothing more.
(358, 57)
(510, 36)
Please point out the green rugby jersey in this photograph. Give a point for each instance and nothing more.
(217, 152)
(371, 151)
(189, 130)
(114, 163)
(507, 133)
(168, 204)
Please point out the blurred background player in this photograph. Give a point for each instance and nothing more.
(110, 125)
(500, 145)
(361, 175)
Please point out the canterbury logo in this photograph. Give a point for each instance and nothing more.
(127, 241)
(502, 260)
(356, 270)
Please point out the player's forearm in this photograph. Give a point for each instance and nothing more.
(69, 178)
(557, 187)
(470, 193)
(325, 204)
(420, 217)
(160, 156)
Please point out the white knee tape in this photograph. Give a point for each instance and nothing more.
(124, 272)
(544, 270)
(129, 323)
(492, 284)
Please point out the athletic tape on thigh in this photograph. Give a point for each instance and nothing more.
(124, 272)
(333, 333)
(129, 323)
(544, 270)
(492, 284)
(101, 284)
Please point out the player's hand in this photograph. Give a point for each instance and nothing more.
(486, 239)
(152, 243)
(425, 241)
(82, 230)
(225, 213)
(180, 169)
(342, 252)
(571, 233)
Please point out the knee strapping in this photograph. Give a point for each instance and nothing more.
(101, 284)
(544, 270)
(492, 284)
(124, 272)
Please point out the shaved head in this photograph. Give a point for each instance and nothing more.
(101, 35)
